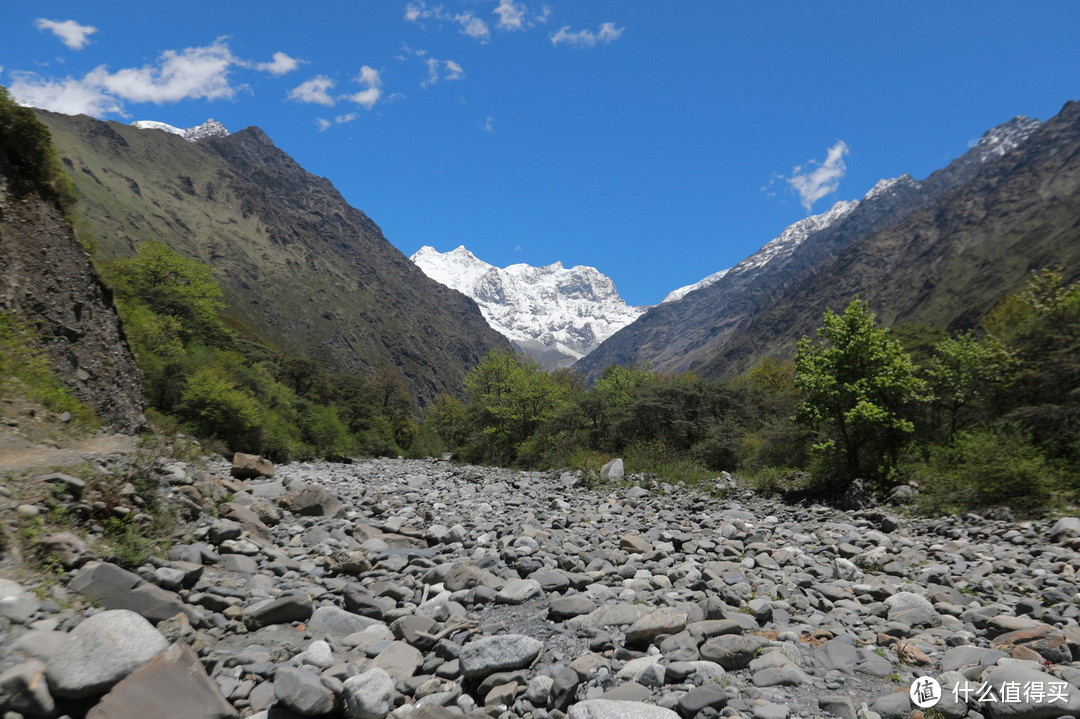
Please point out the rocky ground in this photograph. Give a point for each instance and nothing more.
(423, 589)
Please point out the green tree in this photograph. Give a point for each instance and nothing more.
(963, 373)
(174, 286)
(858, 385)
(510, 396)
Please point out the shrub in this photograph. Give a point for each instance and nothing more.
(985, 467)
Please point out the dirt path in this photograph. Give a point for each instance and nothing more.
(17, 453)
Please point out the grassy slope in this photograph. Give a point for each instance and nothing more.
(300, 267)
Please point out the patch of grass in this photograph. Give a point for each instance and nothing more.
(26, 371)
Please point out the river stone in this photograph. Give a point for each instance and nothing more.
(731, 651)
(117, 588)
(285, 609)
(611, 709)
(337, 622)
(369, 695)
(23, 689)
(1027, 674)
(519, 591)
(481, 657)
(613, 471)
(302, 691)
(647, 628)
(103, 650)
(173, 685)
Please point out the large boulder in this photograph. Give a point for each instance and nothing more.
(117, 588)
(173, 685)
(251, 466)
(103, 650)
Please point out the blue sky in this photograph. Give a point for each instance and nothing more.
(658, 140)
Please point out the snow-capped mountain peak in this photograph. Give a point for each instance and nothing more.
(996, 141)
(681, 292)
(210, 128)
(554, 313)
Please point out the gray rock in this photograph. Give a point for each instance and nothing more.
(173, 685)
(481, 657)
(26, 691)
(608, 709)
(316, 501)
(896, 705)
(337, 622)
(731, 651)
(251, 466)
(613, 471)
(837, 706)
(769, 710)
(1027, 674)
(573, 605)
(288, 608)
(698, 698)
(399, 660)
(103, 650)
(117, 588)
(647, 628)
(519, 591)
(16, 603)
(369, 695)
(302, 691)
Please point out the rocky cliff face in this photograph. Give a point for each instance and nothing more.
(695, 332)
(555, 314)
(306, 271)
(46, 278)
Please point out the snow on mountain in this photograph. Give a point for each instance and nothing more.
(794, 235)
(555, 314)
(155, 125)
(210, 128)
(996, 141)
(684, 291)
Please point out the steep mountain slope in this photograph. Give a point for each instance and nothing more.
(694, 332)
(948, 264)
(301, 267)
(555, 314)
(47, 280)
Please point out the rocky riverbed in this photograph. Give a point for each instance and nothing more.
(411, 588)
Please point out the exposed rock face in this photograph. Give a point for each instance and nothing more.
(46, 279)
(300, 267)
(902, 247)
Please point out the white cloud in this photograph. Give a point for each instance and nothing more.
(442, 70)
(347, 117)
(196, 72)
(69, 96)
(473, 26)
(470, 25)
(70, 32)
(192, 73)
(819, 179)
(512, 15)
(316, 91)
(605, 35)
(280, 65)
(370, 95)
(488, 125)
(323, 124)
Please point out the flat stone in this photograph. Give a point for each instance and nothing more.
(647, 628)
(610, 615)
(117, 588)
(481, 657)
(283, 610)
(698, 698)
(16, 603)
(608, 709)
(519, 591)
(369, 695)
(1026, 674)
(628, 692)
(573, 605)
(837, 706)
(302, 691)
(731, 651)
(173, 685)
(336, 621)
(770, 710)
(103, 650)
(399, 660)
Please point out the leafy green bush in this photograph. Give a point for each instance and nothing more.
(27, 155)
(985, 467)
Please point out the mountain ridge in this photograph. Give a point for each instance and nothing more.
(299, 265)
(683, 335)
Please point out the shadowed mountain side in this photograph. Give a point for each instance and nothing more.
(948, 264)
(720, 330)
(301, 267)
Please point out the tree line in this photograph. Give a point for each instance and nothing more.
(973, 418)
